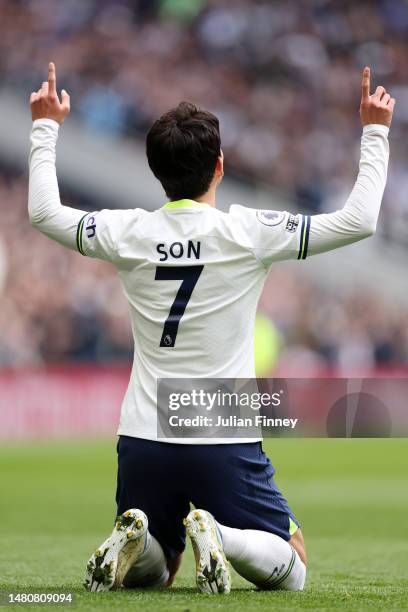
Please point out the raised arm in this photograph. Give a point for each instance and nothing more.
(358, 218)
(278, 235)
(96, 234)
(45, 210)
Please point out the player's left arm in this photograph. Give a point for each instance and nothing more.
(276, 235)
(358, 218)
(94, 234)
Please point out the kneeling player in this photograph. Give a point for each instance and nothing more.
(192, 276)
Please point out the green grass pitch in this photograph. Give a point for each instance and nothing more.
(56, 505)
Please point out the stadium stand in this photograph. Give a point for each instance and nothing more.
(285, 84)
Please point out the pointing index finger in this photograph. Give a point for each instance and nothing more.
(52, 80)
(365, 85)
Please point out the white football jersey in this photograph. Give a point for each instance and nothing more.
(192, 276)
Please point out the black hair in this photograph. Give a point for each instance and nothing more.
(182, 149)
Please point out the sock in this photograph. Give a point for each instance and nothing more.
(150, 570)
(263, 558)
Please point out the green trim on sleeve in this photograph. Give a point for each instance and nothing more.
(308, 222)
(79, 235)
(304, 237)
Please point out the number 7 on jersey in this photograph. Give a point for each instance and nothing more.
(189, 276)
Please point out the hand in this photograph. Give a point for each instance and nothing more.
(377, 108)
(45, 103)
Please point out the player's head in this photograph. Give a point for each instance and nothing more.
(184, 151)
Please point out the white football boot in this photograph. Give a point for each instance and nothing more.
(110, 563)
(212, 572)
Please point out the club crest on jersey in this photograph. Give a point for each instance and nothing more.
(292, 223)
(270, 217)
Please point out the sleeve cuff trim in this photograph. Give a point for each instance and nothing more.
(79, 235)
(304, 237)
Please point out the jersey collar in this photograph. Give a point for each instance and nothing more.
(184, 204)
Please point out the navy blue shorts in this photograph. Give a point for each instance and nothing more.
(232, 481)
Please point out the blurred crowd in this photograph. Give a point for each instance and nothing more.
(283, 76)
(57, 306)
(54, 305)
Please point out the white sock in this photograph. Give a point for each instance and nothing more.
(263, 558)
(150, 570)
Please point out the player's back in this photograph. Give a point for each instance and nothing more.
(192, 276)
(193, 285)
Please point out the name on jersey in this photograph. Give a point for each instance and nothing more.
(176, 250)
